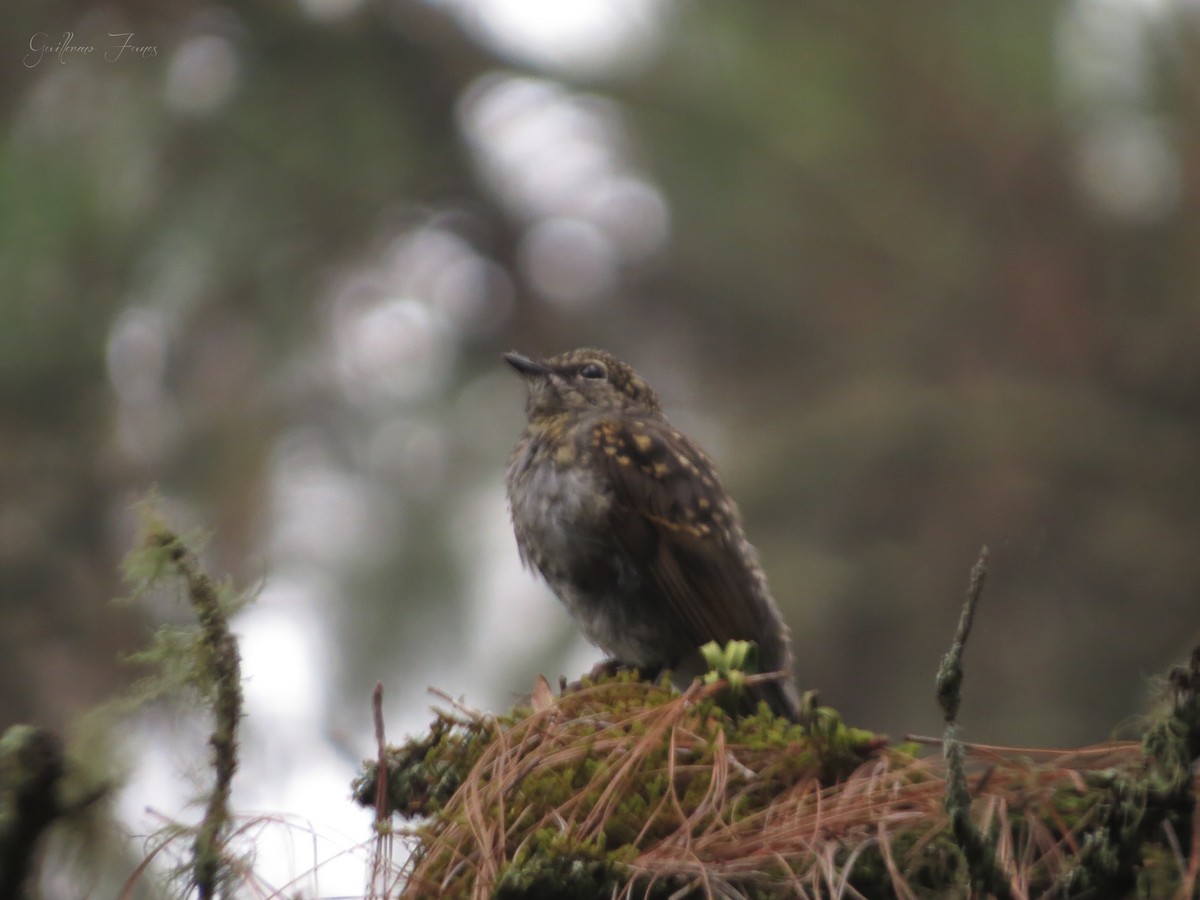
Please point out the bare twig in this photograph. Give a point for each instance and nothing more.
(381, 770)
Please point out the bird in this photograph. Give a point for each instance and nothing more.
(626, 519)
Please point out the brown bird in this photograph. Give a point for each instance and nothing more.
(626, 519)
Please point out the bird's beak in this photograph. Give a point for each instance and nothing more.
(525, 365)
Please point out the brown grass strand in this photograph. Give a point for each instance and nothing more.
(719, 829)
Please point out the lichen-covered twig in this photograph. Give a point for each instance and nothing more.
(1141, 800)
(31, 766)
(976, 849)
(221, 660)
(950, 672)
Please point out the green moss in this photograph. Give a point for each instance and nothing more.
(424, 772)
(670, 783)
(928, 866)
(605, 774)
(550, 865)
(553, 876)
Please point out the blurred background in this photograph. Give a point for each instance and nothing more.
(919, 277)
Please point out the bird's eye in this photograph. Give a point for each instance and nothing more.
(593, 370)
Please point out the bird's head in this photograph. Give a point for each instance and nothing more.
(579, 382)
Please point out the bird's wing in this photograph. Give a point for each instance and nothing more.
(679, 529)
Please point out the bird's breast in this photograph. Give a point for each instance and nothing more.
(559, 510)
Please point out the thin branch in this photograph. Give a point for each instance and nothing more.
(978, 852)
(223, 662)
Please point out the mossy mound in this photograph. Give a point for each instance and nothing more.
(626, 788)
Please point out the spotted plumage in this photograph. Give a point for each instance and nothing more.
(626, 519)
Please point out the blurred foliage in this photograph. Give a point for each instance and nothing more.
(894, 304)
